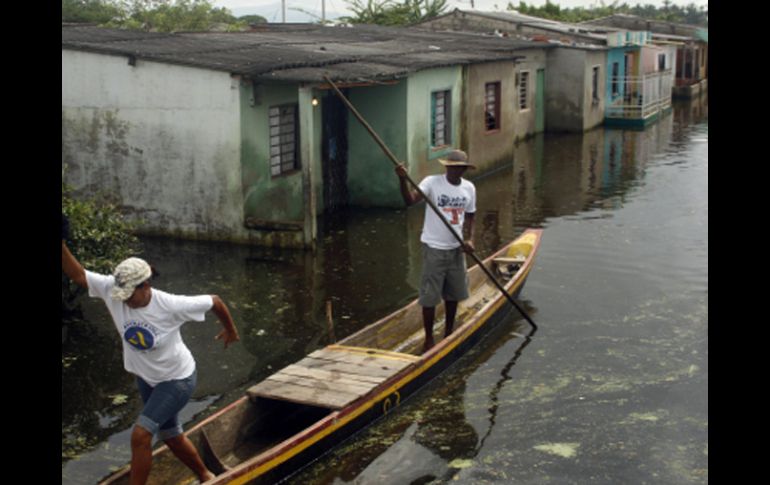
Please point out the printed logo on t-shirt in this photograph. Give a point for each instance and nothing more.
(140, 335)
(453, 207)
(447, 201)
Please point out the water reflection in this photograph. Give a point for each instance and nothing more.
(368, 264)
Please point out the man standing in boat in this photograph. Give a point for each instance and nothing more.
(444, 273)
(149, 322)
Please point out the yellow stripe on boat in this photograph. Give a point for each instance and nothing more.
(338, 423)
(368, 351)
(524, 244)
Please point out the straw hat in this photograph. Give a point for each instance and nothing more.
(456, 158)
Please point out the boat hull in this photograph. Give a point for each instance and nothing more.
(396, 394)
(325, 429)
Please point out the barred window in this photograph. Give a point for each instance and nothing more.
(284, 139)
(492, 106)
(441, 104)
(524, 90)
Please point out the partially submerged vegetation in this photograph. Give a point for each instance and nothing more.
(99, 237)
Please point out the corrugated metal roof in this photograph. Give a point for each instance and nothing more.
(513, 17)
(302, 52)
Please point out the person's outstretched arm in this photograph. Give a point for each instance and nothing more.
(229, 334)
(71, 267)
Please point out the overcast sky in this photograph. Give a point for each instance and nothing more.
(341, 5)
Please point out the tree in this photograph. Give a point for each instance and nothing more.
(252, 19)
(176, 15)
(152, 15)
(89, 11)
(392, 12)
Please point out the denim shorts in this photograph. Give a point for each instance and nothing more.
(162, 404)
(444, 275)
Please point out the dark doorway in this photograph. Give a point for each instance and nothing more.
(334, 157)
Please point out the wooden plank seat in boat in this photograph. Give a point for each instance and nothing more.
(516, 260)
(507, 266)
(332, 377)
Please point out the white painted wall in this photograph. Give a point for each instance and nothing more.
(163, 141)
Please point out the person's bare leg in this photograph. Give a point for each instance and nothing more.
(183, 449)
(428, 315)
(141, 455)
(449, 322)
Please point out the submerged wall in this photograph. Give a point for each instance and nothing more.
(372, 181)
(162, 141)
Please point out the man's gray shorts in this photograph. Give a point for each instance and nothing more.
(444, 276)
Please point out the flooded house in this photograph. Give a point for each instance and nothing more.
(236, 136)
(641, 79)
(691, 41)
(595, 74)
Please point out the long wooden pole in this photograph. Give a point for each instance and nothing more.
(430, 203)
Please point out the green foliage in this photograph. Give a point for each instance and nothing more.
(99, 237)
(392, 12)
(252, 19)
(89, 11)
(689, 14)
(152, 15)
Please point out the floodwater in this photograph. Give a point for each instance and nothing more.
(613, 388)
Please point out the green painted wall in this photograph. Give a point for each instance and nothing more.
(371, 177)
(422, 157)
(400, 114)
(266, 197)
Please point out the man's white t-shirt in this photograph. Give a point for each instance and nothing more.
(152, 343)
(454, 201)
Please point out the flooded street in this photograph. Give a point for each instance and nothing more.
(613, 388)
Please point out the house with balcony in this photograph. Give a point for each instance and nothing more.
(641, 79)
(596, 75)
(691, 41)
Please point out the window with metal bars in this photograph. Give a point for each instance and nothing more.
(284, 139)
(615, 79)
(492, 106)
(524, 90)
(441, 105)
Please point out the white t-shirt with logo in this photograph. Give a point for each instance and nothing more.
(152, 343)
(454, 201)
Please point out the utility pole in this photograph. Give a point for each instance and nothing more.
(323, 12)
(283, 10)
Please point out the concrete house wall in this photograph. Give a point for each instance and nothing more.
(488, 149)
(526, 122)
(617, 56)
(278, 208)
(162, 141)
(422, 157)
(400, 113)
(186, 150)
(371, 177)
(570, 104)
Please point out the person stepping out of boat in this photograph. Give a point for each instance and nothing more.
(444, 272)
(148, 321)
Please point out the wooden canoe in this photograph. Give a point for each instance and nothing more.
(307, 408)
